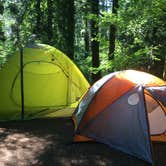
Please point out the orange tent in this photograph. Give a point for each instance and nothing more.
(126, 110)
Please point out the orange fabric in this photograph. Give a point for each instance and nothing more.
(80, 138)
(160, 138)
(112, 90)
(138, 77)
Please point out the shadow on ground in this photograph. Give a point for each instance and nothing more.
(48, 142)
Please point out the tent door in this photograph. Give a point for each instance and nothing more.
(156, 116)
(45, 85)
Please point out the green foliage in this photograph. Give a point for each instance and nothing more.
(9, 26)
(140, 36)
(20, 15)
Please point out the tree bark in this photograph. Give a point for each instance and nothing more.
(94, 40)
(38, 18)
(87, 33)
(1, 7)
(65, 26)
(2, 36)
(158, 69)
(49, 20)
(112, 35)
(69, 37)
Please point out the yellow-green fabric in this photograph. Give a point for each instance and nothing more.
(53, 84)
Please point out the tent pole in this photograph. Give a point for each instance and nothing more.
(21, 70)
(22, 82)
(19, 21)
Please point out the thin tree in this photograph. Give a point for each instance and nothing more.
(2, 37)
(70, 28)
(86, 34)
(19, 18)
(86, 38)
(65, 24)
(94, 40)
(49, 20)
(112, 34)
(37, 29)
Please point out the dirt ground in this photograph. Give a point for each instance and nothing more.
(48, 142)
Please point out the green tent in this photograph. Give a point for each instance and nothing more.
(53, 85)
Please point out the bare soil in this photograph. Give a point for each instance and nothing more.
(48, 142)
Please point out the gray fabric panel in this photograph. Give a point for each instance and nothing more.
(90, 94)
(159, 93)
(123, 126)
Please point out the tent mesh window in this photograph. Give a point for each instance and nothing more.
(156, 116)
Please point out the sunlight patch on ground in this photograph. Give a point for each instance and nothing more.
(20, 148)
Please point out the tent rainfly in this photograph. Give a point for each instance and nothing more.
(125, 110)
(53, 84)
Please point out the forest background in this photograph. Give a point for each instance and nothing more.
(100, 36)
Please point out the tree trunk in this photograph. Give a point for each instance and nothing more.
(86, 38)
(87, 34)
(94, 40)
(65, 26)
(112, 41)
(70, 24)
(157, 69)
(49, 21)
(112, 35)
(38, 18)
(2, 36)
